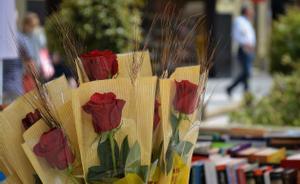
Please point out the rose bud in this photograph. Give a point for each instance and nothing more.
(156, 119)
(106, 111)
(54, 147)
(100, 65)
(30, 119)
(186, 97)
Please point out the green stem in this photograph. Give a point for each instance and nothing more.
(69, 173)
(180, 117)
(112, 146)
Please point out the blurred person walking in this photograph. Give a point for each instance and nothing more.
(244, 35)
(11, 65)
(37, 50)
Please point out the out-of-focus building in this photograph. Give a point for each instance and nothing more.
(220, 14)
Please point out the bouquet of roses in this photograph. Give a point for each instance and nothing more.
(122, 124)
(112, 114)
(51, 143)
(42, 129)
(21, 117)
(180, 97)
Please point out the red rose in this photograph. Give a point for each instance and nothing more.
(186, 97)
(106, 111)
(31, 118)
(156, 119)
(53, 146)
(100, 65)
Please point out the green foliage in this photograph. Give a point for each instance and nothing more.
(128, 161)
(280, 107)
(176, 146)
(99, 24)
(285, 48)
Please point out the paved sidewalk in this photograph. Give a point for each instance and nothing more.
(260, 85)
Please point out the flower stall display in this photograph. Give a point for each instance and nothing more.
(122, 124)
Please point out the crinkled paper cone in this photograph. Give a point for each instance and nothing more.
(42, 168)
(137, 116)
(145, 89)
(66, 118)
(12, 124)
(59, 91)
(167, 93)
(5, 167)
(12, 140)
(192, 74)
(125, 61)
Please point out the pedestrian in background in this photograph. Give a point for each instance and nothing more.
(39, 60)
(244, 35)
(12, 68)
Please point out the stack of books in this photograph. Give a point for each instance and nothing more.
(228, 170)
(292, 163)
(229, 163)
(265, 155)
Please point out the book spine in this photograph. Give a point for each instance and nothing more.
(210, 173)
(298, 177)
(293, 164)
(267, 179)
(241, 176)
(196, 174)
(222, 176)
(289, 176)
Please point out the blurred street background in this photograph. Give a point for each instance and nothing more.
(28, 27)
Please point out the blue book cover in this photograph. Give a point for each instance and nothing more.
(197, 173)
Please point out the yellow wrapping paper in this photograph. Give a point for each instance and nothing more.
(12, 139)
(180, 172)
(125, 61)
(137, 118)
(60, 96)
(5, 167)
(12, 124)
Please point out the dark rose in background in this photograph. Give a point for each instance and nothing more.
(156, 119)
(31, 118)
(186, 97)
(100, 65)
(54, 147)
(106, 111)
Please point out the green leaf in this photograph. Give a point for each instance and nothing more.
(174, 122)
(153, 168)
(104, 136)
(169, 159)
(95, 173)
(124, 151)
(133, 162)
(105, 154)
(175, 138)
(143, 172)
(100, 174)
(157, 153)
(183, 147)
(134, 157)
